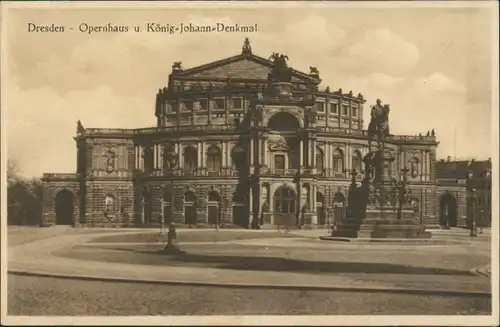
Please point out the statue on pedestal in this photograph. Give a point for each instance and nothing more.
(379, 124)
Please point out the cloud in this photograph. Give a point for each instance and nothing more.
(437, 82)
(381, 50)
(41, 123)
(378, 81)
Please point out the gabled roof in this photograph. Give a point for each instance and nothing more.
(242, 66)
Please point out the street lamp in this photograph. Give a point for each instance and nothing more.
(471, 195)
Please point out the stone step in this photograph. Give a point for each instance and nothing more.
(385, 221)
(394, 234)
(392, 227)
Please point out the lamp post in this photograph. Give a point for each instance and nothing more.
(471, 194)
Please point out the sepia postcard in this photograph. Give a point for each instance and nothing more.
(249, 163)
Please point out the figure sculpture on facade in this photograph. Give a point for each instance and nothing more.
(247, 48)
(314, 72)
(177, 66)
(79, 128)
(379, 124)
(110, 161)
(280, 71)
(171, 159)
(370, 166)
(414, 169)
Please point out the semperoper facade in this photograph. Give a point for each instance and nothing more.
(243, 141)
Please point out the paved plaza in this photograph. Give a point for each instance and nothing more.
(65, 271)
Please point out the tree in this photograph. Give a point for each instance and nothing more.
(24, 197)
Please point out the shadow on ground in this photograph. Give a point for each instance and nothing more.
(255, 263)
(210, 236)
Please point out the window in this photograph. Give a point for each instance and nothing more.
(319, 160)
(284, 200)
(357, 161)
(237, 103)
(354, 112)
(338, 161)
(320, 106)
(203, 104)
(190, 159)
(148, 159)
(214, 158)
(334, 108)
(219, 104)
(279, 161)
(293, 160)
(188, 105)
(345, 109)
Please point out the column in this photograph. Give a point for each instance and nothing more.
(262, 157)
(330, 156)
(225, 146)
(228, 155)
(250, 204)
(226, 112)
(266, 154)
(301, 153)
(314, 153)
(327, 111)
(427, 166)
(350, 115)
(314, 205)
(136, 157)
(422, 165)
(200, 155)
(157, 155)
(141, 157)
(309, 153)
(348, 151)
(180, 158)
(327, 156)
(162, 154)
(252, 161)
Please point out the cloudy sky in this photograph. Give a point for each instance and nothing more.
(433, 65)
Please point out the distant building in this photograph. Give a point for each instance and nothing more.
(234, 146)
(463, 189)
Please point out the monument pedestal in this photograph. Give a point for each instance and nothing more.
(384, 223)
(382, 217)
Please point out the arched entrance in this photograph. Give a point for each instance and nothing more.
(64, 208)
(284, 204)
(338, 207)
(448, 210)
(320, 209)
(190, 214)
(213, 208)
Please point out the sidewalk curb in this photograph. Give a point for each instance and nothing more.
(350, 288)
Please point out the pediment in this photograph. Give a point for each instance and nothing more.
(282, 148)
(241, 67)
